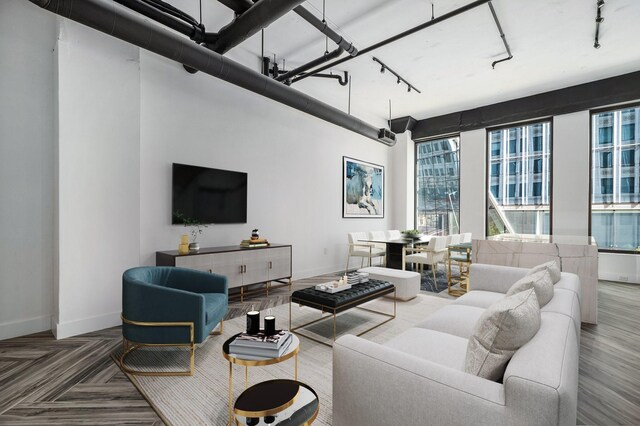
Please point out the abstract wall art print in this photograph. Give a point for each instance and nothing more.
(362, 189)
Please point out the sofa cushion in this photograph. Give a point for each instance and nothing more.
(441, 348)
(503, 328)
(570, 282)
(552, 266)
(565, 302)
(458, 320)
(212, 304)
(479, 298)
(540, 282)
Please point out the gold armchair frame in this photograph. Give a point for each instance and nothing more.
(129, 347)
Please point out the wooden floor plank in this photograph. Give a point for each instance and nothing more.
(74, 381)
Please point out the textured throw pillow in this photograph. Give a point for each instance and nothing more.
(540, 282)
(552, 266)
(503, 328)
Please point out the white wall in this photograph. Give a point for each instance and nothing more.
(571, 150)
(401, 179)
(294, 163)
(26, 168)
(473, 148)
(98, 216)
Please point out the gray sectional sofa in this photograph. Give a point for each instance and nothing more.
(418, 377)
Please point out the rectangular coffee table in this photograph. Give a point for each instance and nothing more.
(334, 303)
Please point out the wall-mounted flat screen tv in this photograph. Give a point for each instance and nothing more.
(208, 195)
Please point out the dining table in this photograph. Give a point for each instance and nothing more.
(395, 247)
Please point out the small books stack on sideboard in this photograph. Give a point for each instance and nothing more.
(258, 346)
(260, 242)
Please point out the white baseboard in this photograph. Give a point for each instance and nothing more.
(616, 276)
(86, 325)
(23, 327)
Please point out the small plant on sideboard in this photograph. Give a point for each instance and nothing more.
(195, 228)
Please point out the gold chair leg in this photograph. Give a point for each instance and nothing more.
(219, 332)
(433, 269)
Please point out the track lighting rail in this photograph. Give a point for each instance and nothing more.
(398, 76)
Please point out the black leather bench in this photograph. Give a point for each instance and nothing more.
(335, 303)
(342, 300)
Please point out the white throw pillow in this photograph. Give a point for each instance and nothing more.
(552, 266)
(501, 330)
(541, 283)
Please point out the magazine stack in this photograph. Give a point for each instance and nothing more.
(260, 346)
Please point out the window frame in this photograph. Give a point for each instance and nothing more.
(592, 112)
(487, 177)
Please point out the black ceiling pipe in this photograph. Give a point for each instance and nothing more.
(240, 6)
(259, 16)
(194, 32)
(403, 34)
(119, 22)
(314, 63)
(324, 29)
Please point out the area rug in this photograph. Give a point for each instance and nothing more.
(427, 284)
(203, 398)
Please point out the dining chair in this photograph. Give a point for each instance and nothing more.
(363, 249)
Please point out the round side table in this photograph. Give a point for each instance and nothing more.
(277, 402)
(247, 361)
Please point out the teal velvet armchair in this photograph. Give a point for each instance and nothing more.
(168, 306)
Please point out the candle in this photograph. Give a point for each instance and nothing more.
(253, 322)
(269, 325)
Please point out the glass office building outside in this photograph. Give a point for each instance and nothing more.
(519, 180)
(437, 186)
(615, 179)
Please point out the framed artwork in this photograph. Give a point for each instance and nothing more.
(362, 189)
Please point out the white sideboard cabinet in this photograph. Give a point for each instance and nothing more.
(242, 266)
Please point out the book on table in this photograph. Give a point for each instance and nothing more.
(243, 350)
(254, 243)
(262, 340)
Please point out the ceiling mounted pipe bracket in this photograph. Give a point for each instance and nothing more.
(120, 22)
(502, 36)
(287, 76)
(599, 19)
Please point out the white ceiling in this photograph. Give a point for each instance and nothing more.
(551, 41)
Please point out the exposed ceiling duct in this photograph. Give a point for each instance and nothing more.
(241, 6)
(118, 21)
(260, 15)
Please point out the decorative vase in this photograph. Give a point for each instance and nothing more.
(194, 247)
(254, 234)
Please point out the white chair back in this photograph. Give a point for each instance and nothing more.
(394, 234)
(466, 237)
(439, 244)
(455, 239)
(379, 236)
(354, 237)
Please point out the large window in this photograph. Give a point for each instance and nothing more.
(437, 186)
(519, 200)
(615, 192)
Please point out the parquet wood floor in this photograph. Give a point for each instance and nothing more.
(74, 381)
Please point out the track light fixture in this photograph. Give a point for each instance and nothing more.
(399, 80)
